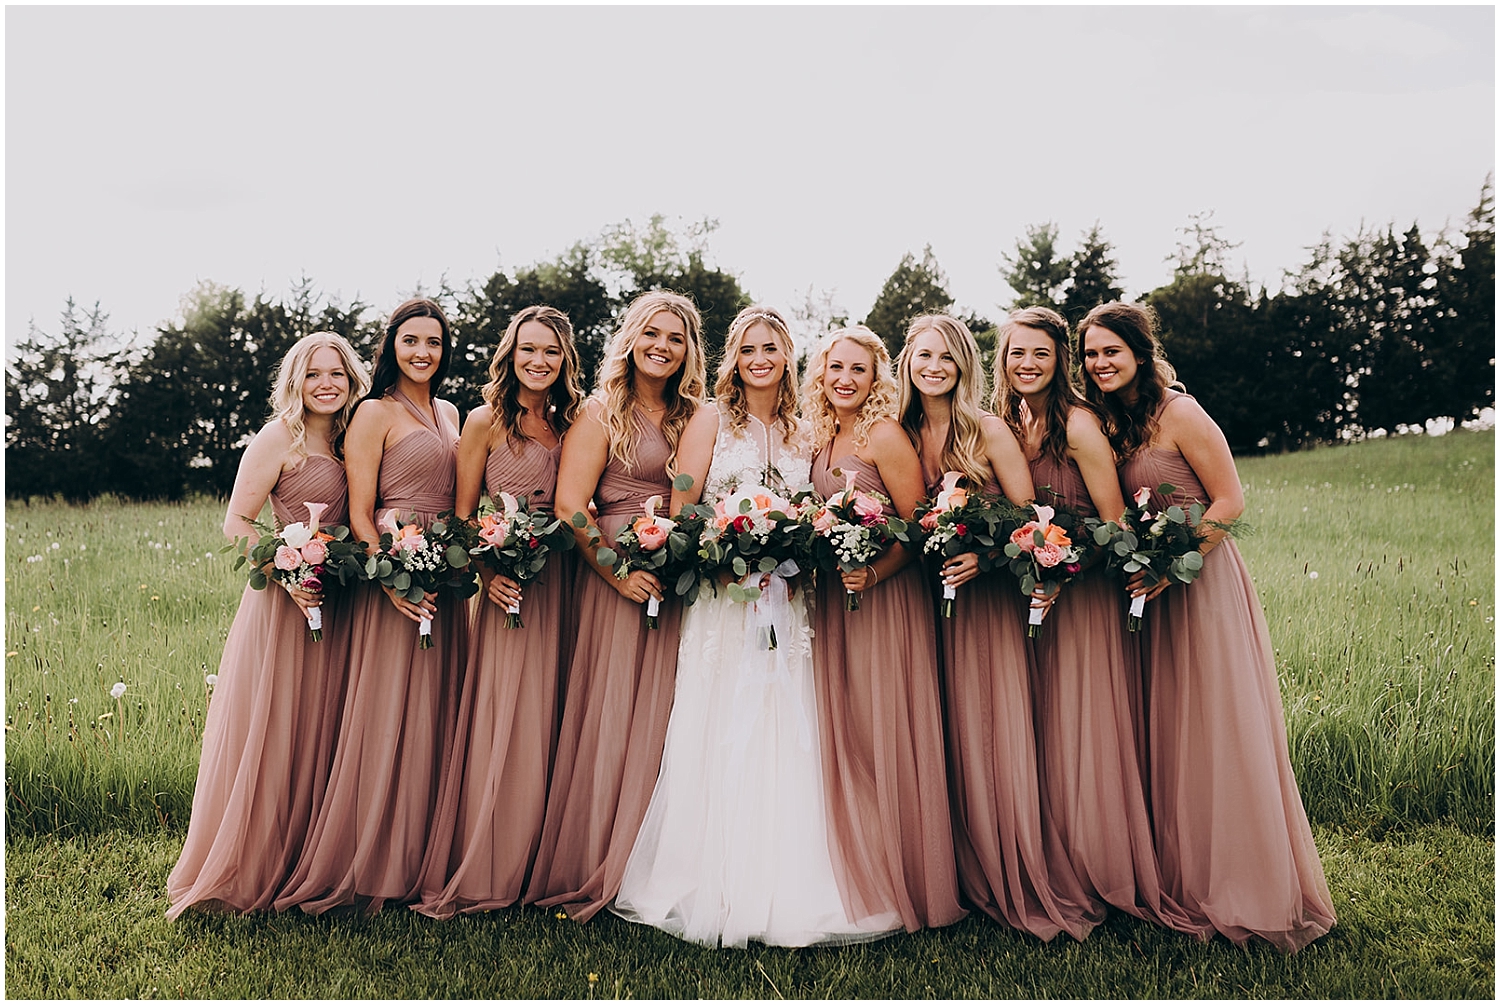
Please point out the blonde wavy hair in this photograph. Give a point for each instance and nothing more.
(564, 397)
(963, 450)
(286, 389)
(616, 391)
(817, 410)
(729, 389)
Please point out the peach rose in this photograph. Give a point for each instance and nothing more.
(1024, 537)
(651, 535)
(823, 522)
(930, 520)
(1056, 535)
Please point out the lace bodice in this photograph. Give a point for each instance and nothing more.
(744, 457)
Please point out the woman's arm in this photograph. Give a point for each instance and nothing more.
(259, 470)
(1007, 460)
(1090, 450)
(901, 470)
(585, 454)
(473, 455)
(364, 446)
(695, 454)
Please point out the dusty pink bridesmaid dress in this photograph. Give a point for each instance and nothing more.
(881, 727)
(1236, 852)
(1090, 728)
(368, 839)
(268, 738)
(488, 822)
(618, 699)
(1003, 864)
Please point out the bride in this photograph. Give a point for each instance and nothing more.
(734, 846)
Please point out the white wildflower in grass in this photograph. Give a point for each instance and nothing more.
(1313, 574)
(212, 680)
(118, 691)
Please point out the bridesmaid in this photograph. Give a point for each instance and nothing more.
(367, 843)
(1235, 850)
(620, 682)
(268, 738)
(1003, 867)
(1086, 679)
(489, 808)
(880, 717)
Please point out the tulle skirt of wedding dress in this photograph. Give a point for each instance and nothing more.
(734, 846)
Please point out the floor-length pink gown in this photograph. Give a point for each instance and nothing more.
(618, 698)
(368, 839)
(488, 822)
(1090, 726)
(881, 727)
(268, 738)
(1003, 864)
(1232, 838)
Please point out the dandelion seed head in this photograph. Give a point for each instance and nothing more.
(118, 691)
(1313, 574)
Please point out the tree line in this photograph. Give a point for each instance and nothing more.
(1379, 329)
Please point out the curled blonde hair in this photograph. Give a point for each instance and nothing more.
(616, 391)
(286, 389)
(564, 397)
(881, 403)
(963, 450)
(729, 389)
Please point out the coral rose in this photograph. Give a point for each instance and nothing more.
(1024, 537)
(651, 536)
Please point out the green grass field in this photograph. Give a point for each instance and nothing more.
(1375, 564)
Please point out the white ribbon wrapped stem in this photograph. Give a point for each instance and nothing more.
(315, 618)
(950, 592)
(1137, 606)
(425, 628)
(653, 607)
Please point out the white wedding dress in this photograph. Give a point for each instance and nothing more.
(734, 845)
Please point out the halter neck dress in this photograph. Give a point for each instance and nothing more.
(618, 698)
(1003, 865)
(880, 724)
(488, 823)
(368, 840)
(1236, 853)
(268, 736)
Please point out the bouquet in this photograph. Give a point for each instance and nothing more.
(665, 548)
(1042, 554)
(1160, 544)
(304, 557)
(958, 523)
(850, 529)
(414, 562)
(515, 542)
(753, 531)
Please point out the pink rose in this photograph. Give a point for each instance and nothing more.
(866, 506)
(1049, 555)
(314, 552)
(651, 536)
(288, 559)
(493, 535)
(930, 521)
(823, 522)
(412, 542)
(1024, 537)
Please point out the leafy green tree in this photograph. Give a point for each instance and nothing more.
(59, 406)
(1092, 278)
(481, 313)
(914, 289)
(1464, 339)
(1038, 272)
(199, 393)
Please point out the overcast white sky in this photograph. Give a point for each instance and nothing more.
(376, 148)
